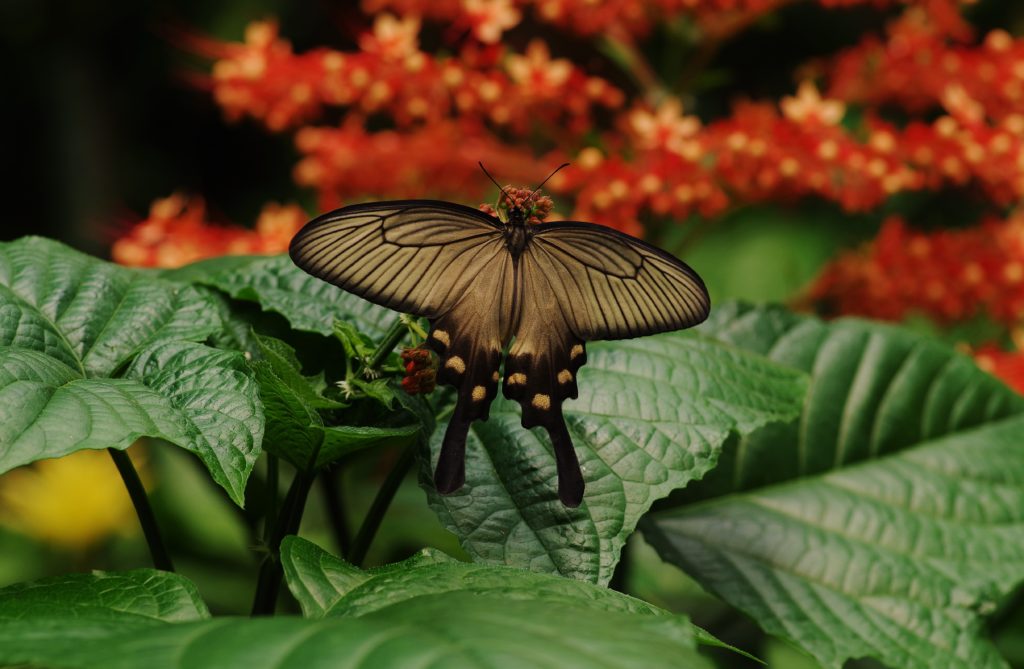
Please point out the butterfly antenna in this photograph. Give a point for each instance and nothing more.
(493, 181)
(557, 170)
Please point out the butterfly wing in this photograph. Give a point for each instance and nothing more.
(582, 282)
(414, 256)
(439, 260)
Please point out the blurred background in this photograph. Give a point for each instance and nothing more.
(842, 156)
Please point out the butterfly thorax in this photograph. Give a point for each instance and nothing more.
(517, 232)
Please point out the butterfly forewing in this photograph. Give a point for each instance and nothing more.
(624, 286)
(415, 256)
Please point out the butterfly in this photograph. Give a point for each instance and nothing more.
(486, 283)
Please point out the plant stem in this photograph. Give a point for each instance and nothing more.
(380, 505)
(273, 477)
(269, 582)
(395, 334)
(161, 559)
(335, 510)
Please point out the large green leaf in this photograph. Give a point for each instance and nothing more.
(91, 315)
(327, 586)
(441, 627)
(68, 323)
(652, 416)
(885, 521)
(199, 398)
(308, 303)
(130, 597)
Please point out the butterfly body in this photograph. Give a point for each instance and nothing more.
(517, 233)
(539, 291)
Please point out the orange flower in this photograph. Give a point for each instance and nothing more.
(536, 71)
(809, 107)
(177, 233)
(490, 18)
(392, 38)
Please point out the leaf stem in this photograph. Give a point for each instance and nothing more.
(161, 558)
(335, 510)
(273, 481)
(379, 507)
(395, 334)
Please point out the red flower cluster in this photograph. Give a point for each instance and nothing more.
(420, 371)
(177, 233)
(265, 79)
(947, 275)
(757, 154)
(922, 65)
(349, 161)
(486, 20)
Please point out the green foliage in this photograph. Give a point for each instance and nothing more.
(295, 429)
(94, 356)
(326, 586)
(309, 304)
(497, 617)
(652, 416)
(885, 521)
(138, 597)
(856, 489)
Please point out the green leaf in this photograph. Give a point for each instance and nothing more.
(460, 630)
(308, 303)
(340, 440)
(91, 315)
(886, 521)
(652, 416)
(356, 346)
(285, 365)
(199, 398)
(295, 430)
(67, 321)
(138, 596)
(379, 390)
(328, 586)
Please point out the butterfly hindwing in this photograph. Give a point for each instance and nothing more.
(468, 339)
(582, 282)
(541, 368)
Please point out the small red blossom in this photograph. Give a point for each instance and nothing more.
(420, 371)
(537, 207)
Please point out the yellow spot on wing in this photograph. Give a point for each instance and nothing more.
(456, 363)
(442, 336)
(564, 376)
(576, 351)
(479, 392)
(517, 378)
(495, 376)
(541, 401)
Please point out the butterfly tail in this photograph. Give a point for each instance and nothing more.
(450, 474)
(570, 476)
(469, 364)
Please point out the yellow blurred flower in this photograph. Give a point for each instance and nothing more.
(72, 502)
